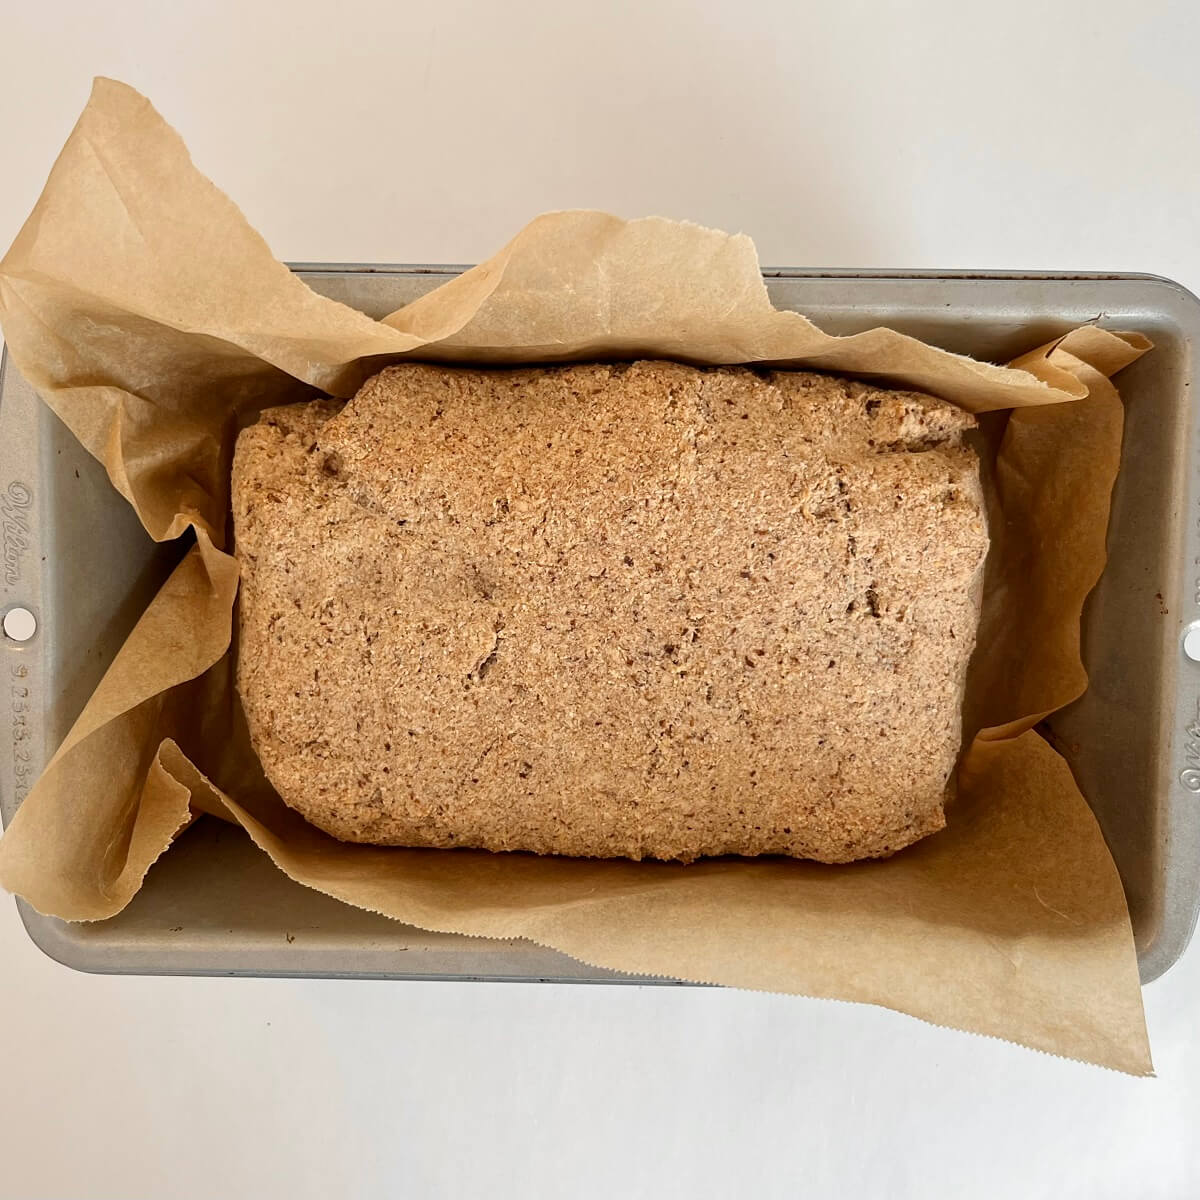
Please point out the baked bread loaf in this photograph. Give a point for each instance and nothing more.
(640, 610)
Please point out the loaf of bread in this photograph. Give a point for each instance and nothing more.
(640, 610)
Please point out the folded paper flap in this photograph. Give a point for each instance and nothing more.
(104, 810)
(672, 289)
(161, 652)
(1050, 486)
(1106, 351)
(162, 240)
(1058, 942)
(154, 321)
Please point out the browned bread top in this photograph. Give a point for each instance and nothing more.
(637, 610)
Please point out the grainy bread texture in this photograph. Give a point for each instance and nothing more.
(643, 611)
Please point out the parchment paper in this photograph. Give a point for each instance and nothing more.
(153, 320)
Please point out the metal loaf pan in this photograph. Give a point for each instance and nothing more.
(74, 555)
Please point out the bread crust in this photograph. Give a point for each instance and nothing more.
(641, 610)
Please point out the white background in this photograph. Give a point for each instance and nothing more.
(1043, 135)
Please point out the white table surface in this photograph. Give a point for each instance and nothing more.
(1044, 135)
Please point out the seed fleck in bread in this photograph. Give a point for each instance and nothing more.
(637, 610)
